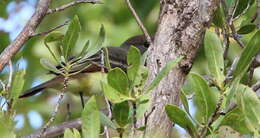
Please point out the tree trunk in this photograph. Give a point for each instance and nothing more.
(180, 31)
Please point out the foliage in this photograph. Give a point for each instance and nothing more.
(219, 86)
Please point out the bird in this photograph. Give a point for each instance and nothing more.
(87, 82)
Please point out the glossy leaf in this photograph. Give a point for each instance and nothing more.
(242, 7)
(84, 49)
(249, 104)
(54, 36)
(246, 29)
(49, 66)
(113, 95)
(219, 18)
(236, 120)
(133, 61)
(142, 105)
(205, 98)
(68, 133)
(166, 69)
(71, 36)
(17, 84)
(140, 80)
(214, 53)
(71, 133)
(181, 118)
(184, 101)
(117, 79)
(93, 49)
(247, 55)
(90, 119)
(121, 113)
(105, 121)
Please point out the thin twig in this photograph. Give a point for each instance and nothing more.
(65, 6)
(51, 30)
(236, 36)
(230, 24)
(226, 42)
(109, 108)
(57, 107)
(250, 75)
(139, 22)
(53, 116)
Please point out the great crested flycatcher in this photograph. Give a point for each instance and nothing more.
(87, 81)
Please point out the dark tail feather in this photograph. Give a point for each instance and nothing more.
(31, 92)
(41, 87)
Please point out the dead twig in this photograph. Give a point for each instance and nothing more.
(65, 6)
(139, 22)
(51, 30)
(57, 107)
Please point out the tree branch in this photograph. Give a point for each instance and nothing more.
(27, 31)
(65, 6)
(57, 130)
(180, 33)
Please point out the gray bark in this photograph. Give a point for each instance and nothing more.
(181, 28)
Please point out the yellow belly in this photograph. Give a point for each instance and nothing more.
(87, 83)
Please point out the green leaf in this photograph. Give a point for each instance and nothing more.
(68, 133)
(242, 7)
(54, 36)
(140, 80)
(184, 101)
(105, 121)
(121, 113)
(143, 105)
(205, 98)
(214, 53)
(247, 55)
(84, 49)
(236, 120)
(113, 95)
(76, 133)
(99, 44)
(133, 61)
(71, 36)
(249, 104)
(246, 29)
(49, 66)
(167, 68)
(71, 133)
(117, 79)
(230, 3)
(219, 17)
(181, 118)
(17, 84)
(90, 119)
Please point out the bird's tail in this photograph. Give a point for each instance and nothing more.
(39, 88)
